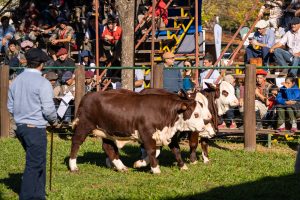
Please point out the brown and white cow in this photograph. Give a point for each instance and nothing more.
(208, 131)
(120, 117)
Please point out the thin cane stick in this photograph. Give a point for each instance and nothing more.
(51, 158)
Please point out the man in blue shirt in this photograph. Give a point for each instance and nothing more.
(30, 101)
(172, 78)
(260, 44)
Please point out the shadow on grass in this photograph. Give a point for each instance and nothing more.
(13, 182)
(268, 188)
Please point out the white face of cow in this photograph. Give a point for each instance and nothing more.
(195, 122)
(227, 94)
(200, 98)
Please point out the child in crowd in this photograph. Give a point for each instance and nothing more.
(288, 100)
(270, 118)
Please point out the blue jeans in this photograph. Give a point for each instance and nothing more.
(263, 53)
(284, 57)
(34, 142)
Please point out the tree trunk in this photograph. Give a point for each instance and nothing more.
(126, 10)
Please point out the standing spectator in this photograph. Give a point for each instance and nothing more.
(30, 101)
(138, 80)
(260, 44)
(288, 98)
(205, 74)
(172, 79)
(63, 61)
(188, 82)
(7, 32)
(292, 40)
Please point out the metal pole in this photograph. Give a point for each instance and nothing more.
(249, 109)
(97, 42)
(152, 42)
(51, 160)
(196, 42)
(4, 114)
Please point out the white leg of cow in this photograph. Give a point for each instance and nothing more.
(141, 163)
(184, 167)
(157, 152)
(73, 165)
(194, 163)
(155, 170)
(205, 158)
(119, 165)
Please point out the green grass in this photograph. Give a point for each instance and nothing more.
(232, 174)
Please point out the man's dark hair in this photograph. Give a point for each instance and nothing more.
(208, 57)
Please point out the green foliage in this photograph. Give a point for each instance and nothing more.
(231, 12)
(232, 174)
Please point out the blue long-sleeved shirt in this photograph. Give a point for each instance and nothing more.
(268, 39)
(30, 99)
(286, 94)
(172, 79)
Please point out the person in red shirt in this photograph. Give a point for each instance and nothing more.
(111, 37)
(162, 12)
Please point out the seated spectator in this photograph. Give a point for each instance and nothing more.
(138, 80)
(85, 59)
(111, 39)
(276, 12)
(261, 96)
(208, 73)
(292, 40)
(12, 50)
(7, 32)
(53, 77)
(270, 117)
(25, 46)
(288, 99)
(89, 42)
(61, 37)
(188, 82)
(90, 83)
(63, 61)
(68, 87)
(260, 44)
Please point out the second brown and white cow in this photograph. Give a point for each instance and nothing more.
(120, 117)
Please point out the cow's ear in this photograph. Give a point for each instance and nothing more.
(210, 85)
(182, 93)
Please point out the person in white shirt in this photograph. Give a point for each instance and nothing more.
(206, 74)
(292, 40)
(138, 80)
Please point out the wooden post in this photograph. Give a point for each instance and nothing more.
(4, 114)
(249, 111)
(79, 85)
(158, 77)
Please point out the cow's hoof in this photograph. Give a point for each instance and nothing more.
(155, 170)
(139, 164)
(74, 170)
(194, 162)
(206, 162)
(184, 167)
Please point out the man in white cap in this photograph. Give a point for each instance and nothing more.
(260, 44)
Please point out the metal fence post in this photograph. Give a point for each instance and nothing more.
(79, 85)
(4, 114)
(249, 111)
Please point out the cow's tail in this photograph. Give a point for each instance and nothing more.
(75, 122)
